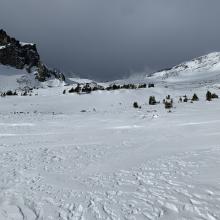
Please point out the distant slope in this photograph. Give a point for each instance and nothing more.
(201, 69)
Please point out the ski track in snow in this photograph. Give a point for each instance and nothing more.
(161, 189)
(106, 165)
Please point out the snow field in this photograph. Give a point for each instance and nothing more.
(111, 161)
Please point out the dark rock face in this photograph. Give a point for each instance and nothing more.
(20, 55)
(15, 54)
(5, 39)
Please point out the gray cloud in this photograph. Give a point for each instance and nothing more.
(106, 39)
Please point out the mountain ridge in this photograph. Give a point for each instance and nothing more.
(208, 63)
(24, 56)
(32, 72)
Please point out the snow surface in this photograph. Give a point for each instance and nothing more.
(93, 156)
(109, 161)
(9, 77)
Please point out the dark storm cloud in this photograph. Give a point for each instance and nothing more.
(106, 39)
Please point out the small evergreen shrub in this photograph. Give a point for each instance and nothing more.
(151, 85)
(142, 86)
(9, 92)
(214, 96)
(168, 97)
(71, 90)
(168, 104)
(185, 99)
(209, 96)
(78, 89)
(195, 97)
(135, 105)
(152, 100)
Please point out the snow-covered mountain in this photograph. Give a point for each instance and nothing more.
(21, 66)
(201, 69)
(92, 155)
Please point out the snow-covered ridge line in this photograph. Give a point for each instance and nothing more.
(206, 63)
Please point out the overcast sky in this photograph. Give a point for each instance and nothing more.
(107, 39)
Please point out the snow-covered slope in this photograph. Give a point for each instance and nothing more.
(201, 69)
(77, 157)
(15, 79)
(109, 161)
(9, 77)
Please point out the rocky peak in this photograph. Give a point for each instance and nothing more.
(17, 54)
(24, 56)
(6, 39)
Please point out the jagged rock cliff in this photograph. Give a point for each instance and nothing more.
(24, 56)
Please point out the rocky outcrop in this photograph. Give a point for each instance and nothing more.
(16, 54)
(44, 73)
(24, 55)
